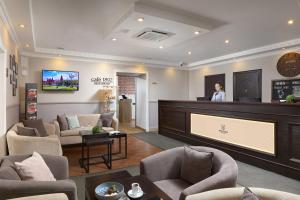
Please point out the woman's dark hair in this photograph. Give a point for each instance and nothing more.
(221, 86)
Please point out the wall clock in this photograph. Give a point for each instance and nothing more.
(289, 65)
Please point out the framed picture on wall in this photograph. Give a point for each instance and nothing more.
(10, 62)
(6, 72)
(14, 90)
(17, 68)
(16, 83)
(11, 79)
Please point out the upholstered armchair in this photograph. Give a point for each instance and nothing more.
(164, 170)
(59, 168)
(236, 193)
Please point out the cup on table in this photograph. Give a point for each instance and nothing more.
(136, 189)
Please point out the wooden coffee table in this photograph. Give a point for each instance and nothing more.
(150, 189)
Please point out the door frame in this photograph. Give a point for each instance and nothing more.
(147, 93)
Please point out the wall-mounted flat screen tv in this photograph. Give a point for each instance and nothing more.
(60, 80)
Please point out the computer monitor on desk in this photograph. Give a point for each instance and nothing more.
(249, 99)
(203, 98)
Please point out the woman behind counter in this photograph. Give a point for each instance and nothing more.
(219, 94)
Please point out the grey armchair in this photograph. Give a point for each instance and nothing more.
(60, 169)
(164, 170)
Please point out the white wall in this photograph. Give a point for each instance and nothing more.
(9, 104)
(165, 83)
(267, 64)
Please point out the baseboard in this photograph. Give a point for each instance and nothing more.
(153, 129)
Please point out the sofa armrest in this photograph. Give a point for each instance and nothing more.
(57, 127)
(58, 165)
(223, 179)
(54, 196)
(163, 165)
(14, 189)
(115, 124)
(20, 145)
(50, 128)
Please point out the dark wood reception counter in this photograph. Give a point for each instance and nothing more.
(263, 134)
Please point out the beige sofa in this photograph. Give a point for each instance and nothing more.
(236, 193)
(20, 145)
(87, 122)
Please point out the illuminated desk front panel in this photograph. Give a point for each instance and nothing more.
(263, 134)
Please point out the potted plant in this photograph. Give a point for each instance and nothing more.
(290, 99)
(96, 129)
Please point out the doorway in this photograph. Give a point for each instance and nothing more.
(132, 102)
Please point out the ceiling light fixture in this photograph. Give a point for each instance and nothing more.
(290, 22)
(22, 26)
(114, 39)
(161, 47)
(27, 45)
(197, 32)
(226, 41)
(140, 19)
(189, 52)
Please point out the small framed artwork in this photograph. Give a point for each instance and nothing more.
(17, 68)
(14, 90)
(6, 72)
(11, 79)
(16, 83)
(10, 62)
(14, 77)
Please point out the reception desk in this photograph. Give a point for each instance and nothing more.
(263, 134)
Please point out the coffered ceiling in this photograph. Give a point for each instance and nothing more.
(109, 29)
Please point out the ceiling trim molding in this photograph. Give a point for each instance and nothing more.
(260, 50)
(32, 23)
(250, 57)
(7, 22)
(92, 59)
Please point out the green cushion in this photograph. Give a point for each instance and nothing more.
(73, 121)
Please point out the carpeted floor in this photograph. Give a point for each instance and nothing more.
(248, 175)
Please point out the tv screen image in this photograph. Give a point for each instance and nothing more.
(60, 80)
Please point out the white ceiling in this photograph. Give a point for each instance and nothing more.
(85, 27)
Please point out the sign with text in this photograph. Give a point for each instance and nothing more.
(105, 81)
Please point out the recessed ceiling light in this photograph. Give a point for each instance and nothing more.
(197, 32)
(227, 41)
(22, 26)
(59, 55)
(114, 39)
(161, 47)
(283, 48)
(140, 19)
(189, 52)
(27, 45)
(290, 22)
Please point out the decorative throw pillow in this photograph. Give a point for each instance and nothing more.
(249, 195)
(63, 123)
(26, 131)
(73, 121)
(34, 168)
(196, 165)
(8, 172)
(38, 124)
(107, 119)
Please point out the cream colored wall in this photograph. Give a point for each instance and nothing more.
(10, 104)
(166, 83)
(267, 64)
